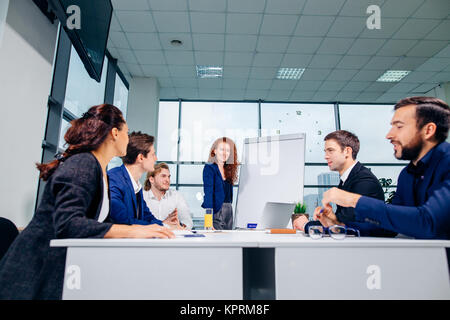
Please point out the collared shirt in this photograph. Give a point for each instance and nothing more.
(347, 172)
(136, 185)
(170, 201)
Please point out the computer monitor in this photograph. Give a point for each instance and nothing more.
(272, 171)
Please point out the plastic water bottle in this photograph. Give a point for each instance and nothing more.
(208, 219)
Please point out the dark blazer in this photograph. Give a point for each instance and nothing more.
(69, 208)
(123, 200)
(213, 187)
(362, 181)
(421, 205)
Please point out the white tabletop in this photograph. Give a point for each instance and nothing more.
(240, 238)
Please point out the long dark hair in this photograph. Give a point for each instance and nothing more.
(85, 134)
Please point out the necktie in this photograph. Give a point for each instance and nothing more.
(340, 184)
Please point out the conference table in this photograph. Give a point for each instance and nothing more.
(255, 265)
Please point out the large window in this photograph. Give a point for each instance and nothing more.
(184, 140)
(121, 95)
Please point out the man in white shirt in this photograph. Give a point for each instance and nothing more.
(163, 202)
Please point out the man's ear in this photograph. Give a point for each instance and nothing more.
(139, 158)
(429, 131)
(348, 151)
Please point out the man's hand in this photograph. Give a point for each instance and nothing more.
(326, 216)
(340, 197)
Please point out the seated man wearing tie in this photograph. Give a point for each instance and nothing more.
(127, 201)
(421, 205)
(341, 149)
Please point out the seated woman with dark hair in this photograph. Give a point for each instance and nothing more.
(75, 204)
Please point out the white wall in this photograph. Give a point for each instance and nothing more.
(143, 105)
(26, 59)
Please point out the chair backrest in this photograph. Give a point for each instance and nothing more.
(8, 232)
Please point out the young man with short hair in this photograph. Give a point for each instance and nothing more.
(163, 201)
(341, 149)
(421, 205)
(127, 201)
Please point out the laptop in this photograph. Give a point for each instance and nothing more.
(276, 215)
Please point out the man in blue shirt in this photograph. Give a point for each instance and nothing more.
(421, 205)
(126, 196)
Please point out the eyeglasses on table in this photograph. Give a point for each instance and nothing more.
(336, 232)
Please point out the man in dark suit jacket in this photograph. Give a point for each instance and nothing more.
(341, 149)
(127, 200)
(421, 205)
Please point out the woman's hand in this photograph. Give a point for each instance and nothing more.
(139, 231)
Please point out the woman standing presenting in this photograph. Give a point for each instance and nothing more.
(75, 204)
(219, 176)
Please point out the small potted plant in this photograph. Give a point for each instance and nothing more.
(299, 210)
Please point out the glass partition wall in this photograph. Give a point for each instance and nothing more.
(187, 129)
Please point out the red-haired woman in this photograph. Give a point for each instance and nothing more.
(75, 204)
(219, 176)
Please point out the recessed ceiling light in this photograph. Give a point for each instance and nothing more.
(209, 71)
(393, 76)
(290, 73)
(176, 42)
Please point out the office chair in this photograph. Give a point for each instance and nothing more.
(8, 232)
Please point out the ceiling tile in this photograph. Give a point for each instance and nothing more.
(263, 73)
(238, 23)
(408, 63)
(335, 45)
(272, 44)
(230, 72)
(155, 71)
(255, 94)
(418, 76)
(274, 24)
(396, 47)
(379, 87)
(210, 83)
(315, 26)
(388, 27)
(208, 22)
(179, 57)
(366, 46)
(403, 87)
(234, 83)
(209, 58)
(441, 32)
(119, 39)
(130, 5)
(278, 95)
(353, 62)
(267, 59)
(136, 21)
(368, 97)
(415, 29)
(183, 37)
(347, 27)
(296, 60)
(135, 69)
(398, 9)
(168, 5)
(259, 84)
(233, 94)
(127, 56)
(434, 64)
(315, 74)
(426, 48)
(324, 61)
(302, 96)
(150, 57)
(441, 77)
(424, 88)
(115, 26)
(144, 41)
(182, 71)
(284, 6)
(433, 9)
(358, 8)
(209, 42)
(165, 82)
(346, 96)
(255, 6)
(283, 84)
(304, 45)
(325, 96)
(367, 75)
(341, 75)
(380, 63)
(207, 5)
(167, 93)
(323, 7)
(356, 86)
(185, 82)
(171, 21)
(303, 85)
(238, 58)
(238, 42)
(332, 85)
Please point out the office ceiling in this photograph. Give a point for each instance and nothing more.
(251, 39)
